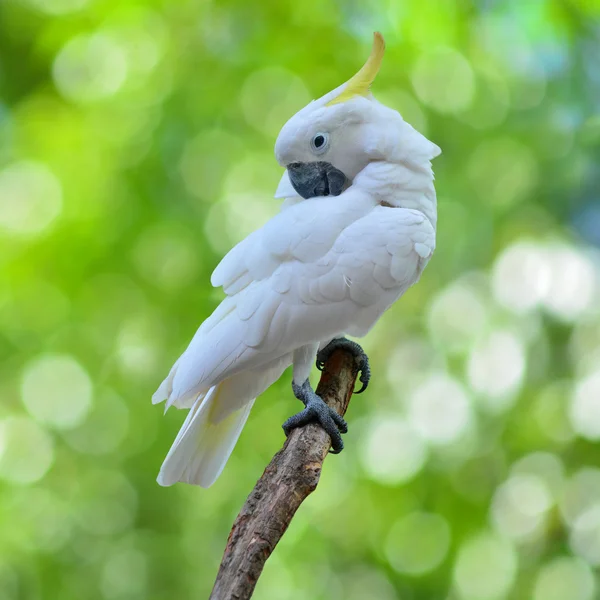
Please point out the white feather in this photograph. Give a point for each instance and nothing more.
(202, 447)
(213, 426)
(285, 189)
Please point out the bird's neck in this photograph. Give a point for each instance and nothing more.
(400, 185)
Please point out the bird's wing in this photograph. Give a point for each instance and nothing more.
(387, 249)
(301, 234)
(371, 263)
(304, 232)
(381, 256)
(315, 285)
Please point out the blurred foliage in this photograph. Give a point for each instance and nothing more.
(136, 148)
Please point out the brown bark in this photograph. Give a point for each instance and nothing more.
(291, 476)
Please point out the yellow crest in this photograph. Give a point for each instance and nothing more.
(359, 85)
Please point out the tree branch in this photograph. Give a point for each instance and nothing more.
(291, 476)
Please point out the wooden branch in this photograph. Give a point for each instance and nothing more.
(291, 476)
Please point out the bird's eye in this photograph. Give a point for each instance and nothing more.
(319, 143)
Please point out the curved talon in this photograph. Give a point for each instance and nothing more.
(362, 359)
(363, 387)
(365, 377)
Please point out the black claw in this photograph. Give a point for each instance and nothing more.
(317, 411)
(362, 359)
(363, 387)
(365, 377)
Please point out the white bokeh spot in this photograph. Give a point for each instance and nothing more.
(392, 452)
(565, 578)
(584, 409)
(90, 68)
(27, 450)
(418, 543)
(56, 390)
(573, 282)
(521, 276)
(585, 536)
(485, 568)
(457, 316)
(546, 467)
(558, 277)
(439, 409)
(30, 198)
(519, 507)
(496, 368)
(444, 80)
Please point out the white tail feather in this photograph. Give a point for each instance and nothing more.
(165, 392)
(204, 442)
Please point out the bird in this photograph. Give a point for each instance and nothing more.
(356, 228)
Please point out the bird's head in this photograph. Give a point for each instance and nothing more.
(327, 143)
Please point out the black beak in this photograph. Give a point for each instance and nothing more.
(318, 178)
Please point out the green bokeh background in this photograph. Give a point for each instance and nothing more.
(136, 148)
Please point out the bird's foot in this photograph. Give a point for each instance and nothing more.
(362, 360)
(317, 411)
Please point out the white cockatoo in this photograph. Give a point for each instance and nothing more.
(355, 232)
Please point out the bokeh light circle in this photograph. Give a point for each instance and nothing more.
(560, 278)
(521, 276)
(457, 316)
(565, 578)
(584, 410)
(485, 568)
(573, 282)
(90, 68)
(27, 450)
(520, 505)
(546, 467)
(496, 368)
(56, 390)
(444, 80)
(439, 409)
(418, 543)
(392, 451)
(270, 96)
(30, 198)
(585, 535)
(363, 582)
